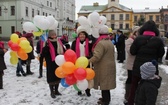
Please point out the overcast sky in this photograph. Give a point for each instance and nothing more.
(135, 4)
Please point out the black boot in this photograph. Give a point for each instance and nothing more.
(40, 73)
(1, 81)
(79, 93)
(87, 91)
(52, 91)
(28, 72)
(56, 90)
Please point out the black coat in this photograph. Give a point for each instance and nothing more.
(51, 65)
(2, 62)
(147, 92)
(146, 48)
(120, 45)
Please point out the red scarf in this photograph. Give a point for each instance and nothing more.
(86, 47)
(1, 45)
(52, 50)
(99, 39)
(149, 33)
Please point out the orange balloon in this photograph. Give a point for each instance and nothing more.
(89, 73)
(20, 39)
(22, 54)
(59, 72)
(44, 64)
(68, 67)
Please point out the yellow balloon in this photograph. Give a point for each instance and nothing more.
(81, 62)
(14, 60)
(14, 38)
(13, 54)
(39, 33)
(28, 49)
(24, 44)
(110, 30)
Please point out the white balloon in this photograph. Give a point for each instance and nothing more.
(29, 27)
(54, 26)
(83, 20)
(82, 85)
(41, 22)
(94, 18)
(51, 19)
(95, 32)
(36, 19)
(59, 60)
(102, 20)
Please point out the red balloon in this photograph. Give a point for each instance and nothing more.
(70, 56)
(70, 79)
(10, 43)
(80, 74)
(15, 47)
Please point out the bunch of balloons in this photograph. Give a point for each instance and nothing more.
(19, 48)
(40, 25)
(73, 70)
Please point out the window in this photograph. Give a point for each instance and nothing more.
(32, 12)
(0, 11)
(121, 26)
(104, 15)
(150, 17)
(0, 30)
(12, 29)
(38, 12)
(127, 26)
(127, 17)
(12, 10)
(121, 16)
(135, 18)
(27, 12)
(47, 3)
(50, 4)
(157, 18)
(112, 0)
(112, 17)
(43, 13)
(112, 26)
(46, 14)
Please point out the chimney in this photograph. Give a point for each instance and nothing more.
(96, 4)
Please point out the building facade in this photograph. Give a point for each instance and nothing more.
(13, 13)
(121, 17)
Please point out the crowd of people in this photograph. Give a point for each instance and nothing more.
(141, 50)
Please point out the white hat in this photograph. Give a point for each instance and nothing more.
(80, 29)
(103, 30)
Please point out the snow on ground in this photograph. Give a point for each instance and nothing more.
(31, 90)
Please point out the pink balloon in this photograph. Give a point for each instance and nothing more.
(70, 56)
(80, 74)
(70, 79)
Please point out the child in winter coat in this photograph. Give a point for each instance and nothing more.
(2, 62)
(147, 90)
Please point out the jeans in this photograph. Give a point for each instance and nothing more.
(19, 68)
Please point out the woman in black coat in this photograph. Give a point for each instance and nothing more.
(52, 48)
(82, 47)
(146, 47)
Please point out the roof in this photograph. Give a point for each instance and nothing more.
(146, 10)
(99, 8)
(91, 8)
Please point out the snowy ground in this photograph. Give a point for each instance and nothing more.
(31, 90)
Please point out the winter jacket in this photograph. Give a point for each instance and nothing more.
(130, 58)
(147, 92)
(146, 48)
(2, 62)
(104, 65)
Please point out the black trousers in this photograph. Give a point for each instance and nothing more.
(1, 80)
(106, 96)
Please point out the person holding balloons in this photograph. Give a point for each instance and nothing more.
(51, 49)
(103, 60)
(2, 62)
(82, 47)
(31, 56)
(19, 64)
